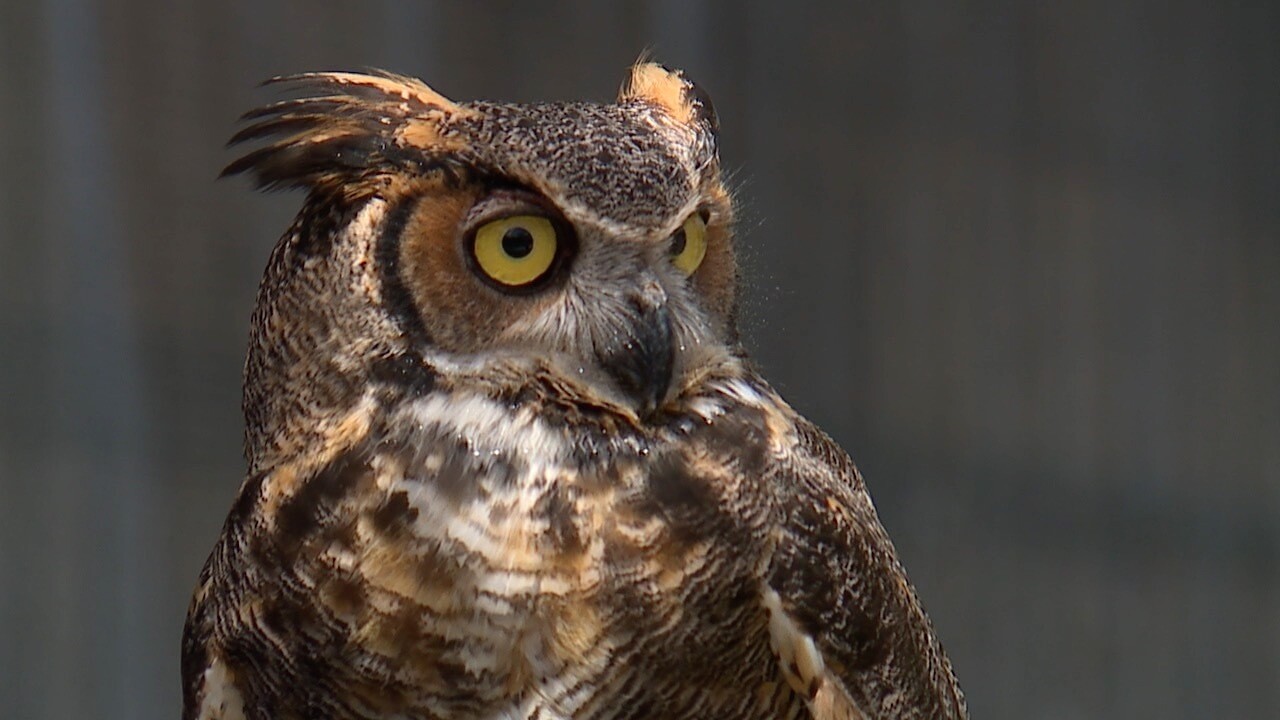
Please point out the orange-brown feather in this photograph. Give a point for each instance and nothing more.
(662, 87)
(346, 126)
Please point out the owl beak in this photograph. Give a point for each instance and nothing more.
(641, 358)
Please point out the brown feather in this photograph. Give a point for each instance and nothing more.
(346, 126)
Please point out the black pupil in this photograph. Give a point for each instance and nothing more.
(678, 242)
(517, 242)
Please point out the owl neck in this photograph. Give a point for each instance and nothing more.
(318, 332)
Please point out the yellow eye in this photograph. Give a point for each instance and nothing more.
(689, 244)
(516, 250)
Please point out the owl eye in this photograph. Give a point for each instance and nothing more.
(516, 250)
(689, 244)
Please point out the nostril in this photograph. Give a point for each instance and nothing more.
(648, 297)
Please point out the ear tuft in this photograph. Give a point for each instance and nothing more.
(671, 91)
(345, 125)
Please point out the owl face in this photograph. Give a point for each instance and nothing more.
(607, 250)
(594, 239)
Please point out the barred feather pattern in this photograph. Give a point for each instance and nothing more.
(491, 557)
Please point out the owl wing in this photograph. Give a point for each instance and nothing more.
(845, 623)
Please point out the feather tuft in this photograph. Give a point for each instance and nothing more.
(344, 127)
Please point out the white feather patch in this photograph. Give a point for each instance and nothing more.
(802, 664)
(489, 426)
(744, 393)
(220, 698)
(803, 667)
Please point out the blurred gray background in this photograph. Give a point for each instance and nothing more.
(1021, 259)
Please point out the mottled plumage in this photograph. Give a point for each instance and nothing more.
(564, 497)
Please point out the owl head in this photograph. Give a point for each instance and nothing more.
(487, 246)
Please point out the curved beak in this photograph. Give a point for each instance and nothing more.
(641, 357)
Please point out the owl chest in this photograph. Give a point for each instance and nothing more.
(510, 581)
(511, 555)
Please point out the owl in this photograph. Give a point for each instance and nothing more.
(506, 455)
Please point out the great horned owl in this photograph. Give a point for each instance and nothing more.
(506, 456)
